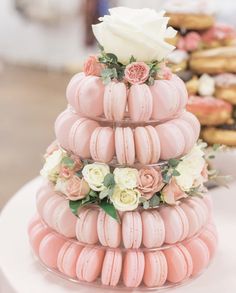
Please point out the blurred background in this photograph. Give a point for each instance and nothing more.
(42, 44)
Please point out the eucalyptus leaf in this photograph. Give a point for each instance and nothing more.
(110, 210)
(68, 162)
(112, 57)
(109, 180)
(154, 201)
(173, 163)
(175, 173)
(93, 193)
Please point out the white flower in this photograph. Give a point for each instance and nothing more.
(130, 32)
(61, 186)
(190, 169)
(125, 200)
(51, 167)
(94, 174)
(126, 178)
(206, 85)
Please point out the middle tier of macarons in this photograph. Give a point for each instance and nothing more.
(90, 139)
(127, 268)
(149, 228)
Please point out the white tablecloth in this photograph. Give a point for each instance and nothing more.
(21, 273)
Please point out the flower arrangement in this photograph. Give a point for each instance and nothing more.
(125, 188)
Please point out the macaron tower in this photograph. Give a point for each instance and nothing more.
(123, 202)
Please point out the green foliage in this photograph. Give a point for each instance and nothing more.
(109, 209)
(68, 162)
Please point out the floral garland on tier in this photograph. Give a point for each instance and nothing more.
(125, 188)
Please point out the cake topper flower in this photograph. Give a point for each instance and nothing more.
(130, 32)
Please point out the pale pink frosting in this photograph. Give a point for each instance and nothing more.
(76, 188)
(149, 182)
(190, 42)
(92, 66)
(137, 72)
(172, 193)
(219, 31)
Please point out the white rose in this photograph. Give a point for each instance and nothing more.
(94, 174)
(190, 168)
(126, 178)
(51, 167)
(125, 200)
(130, 32)
(61, 185)
(206, 85)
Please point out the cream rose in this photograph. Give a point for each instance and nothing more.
(130, 32)
(125, 200)
(126, 178)
(206, 86)
(190, 168)
(51, 167)
(94, 175)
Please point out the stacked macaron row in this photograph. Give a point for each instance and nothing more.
(116, 267)
(148, 144)
(90, 98)
(150, 228)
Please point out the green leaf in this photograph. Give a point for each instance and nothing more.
(112, 58)
(151, 81)
(154, 201)
(93, 193)
(79, 174)
(110, 210)
(68, 162)
(166, 176)
(100, 47)
(109, 180)
(173, 163)
(211, 157)
(75, 205)
(132, 59)
(175, 173)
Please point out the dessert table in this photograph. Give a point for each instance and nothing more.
(20, 271)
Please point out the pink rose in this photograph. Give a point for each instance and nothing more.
(149, 182)
(192, 41)
(76, 188)
(92, 66)
(52, 148)
(78, 163)
(66, 172)
(137, 72)
(164, 72)
(172, 193)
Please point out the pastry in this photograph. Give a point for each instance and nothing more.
(213, 61)
(225, 87)
(132, 230)
(209, 111)
(178, 60)
(124, 145)
(222, 134)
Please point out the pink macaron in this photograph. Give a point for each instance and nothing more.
(63, 125)
(89, 264)
(155, 273)
(86, 226)
(140, 102)
(132, 229)
(49, 249)
(85, 95)
(133, 268)
(199, 253)
(124, 145)
(67, 258)
(42, 196)
(49, 208)
(111, 268)
(80, 135)
(209, 238)
(153, 229)
(109, 230)
(199, 210)
(36, 234)
(33, 222)
(165, 100)
(102, 144)
(193, 121)
(171, 139)
(182, 90)
(147, 145)
(176, 224)
(115, 100)
(193, 220)
(180, 265)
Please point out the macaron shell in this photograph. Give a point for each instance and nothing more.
(115, 100)
(171, 140)
(63, 124)
(140, 102)
(183, 94)
(133, 268)
(185, 223)
(102, 144)
(33, 222)
(143, 147)
(37, 233)
(132, 230)
(155, 273)
(210, 240)
(193, 121)
(155, 144)
(80, 135)
(112, 267)
(43, 194)
(129, 148)
(177, 266)
(49, 208)
(188, 259)
(165, 101)
(49, 249)
(72, 89)
(153, 229)
(200, 254)
(194, 224)
(61, 254)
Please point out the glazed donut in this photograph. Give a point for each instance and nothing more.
(226, 87)
(213, 61)
(223, 134)
(209, 111)
(178, 60)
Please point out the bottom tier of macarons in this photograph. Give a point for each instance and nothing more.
(123, 268)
